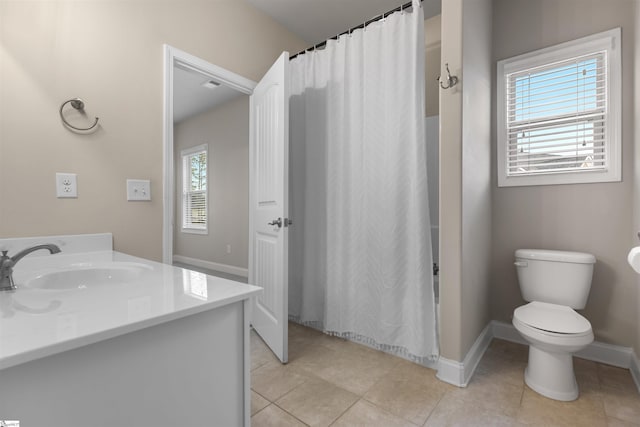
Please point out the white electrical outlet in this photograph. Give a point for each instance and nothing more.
(66, 185)
(228, 249)
(138, 189)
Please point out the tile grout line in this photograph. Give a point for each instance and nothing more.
(270, 403)
(386, 411)
(346, 410)
(343, 412)
(313, 376)
(434, 408)
(291, 391)
(258, 367)
(287, 412)
(261, 396)
(403, 418)
(518, 412)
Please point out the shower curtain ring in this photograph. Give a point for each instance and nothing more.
(451, 80)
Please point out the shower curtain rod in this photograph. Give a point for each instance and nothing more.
(350, 30)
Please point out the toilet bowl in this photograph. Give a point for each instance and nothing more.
(554, 283)
(554, 332)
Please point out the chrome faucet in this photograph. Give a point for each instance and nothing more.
(7, 263)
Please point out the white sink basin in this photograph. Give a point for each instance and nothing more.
(88, 276)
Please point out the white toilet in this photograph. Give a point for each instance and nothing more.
(555, 283)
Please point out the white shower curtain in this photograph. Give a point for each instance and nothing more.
(361, 262)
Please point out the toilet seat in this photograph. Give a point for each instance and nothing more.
(552, 320)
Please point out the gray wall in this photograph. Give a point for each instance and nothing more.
(226, 131)
(636, 157)
(451, 188)
(432, 135)
(476, 168)
(595, 218)
(432, 40)
(465, 208)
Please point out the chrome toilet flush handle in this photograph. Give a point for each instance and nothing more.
(521, 264)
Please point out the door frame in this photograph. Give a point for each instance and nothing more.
(172, 57)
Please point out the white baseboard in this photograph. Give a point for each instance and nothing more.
(635, 369)
(459, 374)
(609, 354)
(224, 268)
(507, 332)
(452, 372)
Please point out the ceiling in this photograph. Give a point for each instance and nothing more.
(191, 98)
(312, 20)
(317, 20)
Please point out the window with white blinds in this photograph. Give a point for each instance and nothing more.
(194, 190)
(559, 114)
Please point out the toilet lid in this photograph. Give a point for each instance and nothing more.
(555, 318)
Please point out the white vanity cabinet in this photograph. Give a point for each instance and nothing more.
(191, 371)
(171, 348)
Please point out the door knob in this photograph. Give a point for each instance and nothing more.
(277, 222)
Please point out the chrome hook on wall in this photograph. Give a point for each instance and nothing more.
(78, 104)
(451, 80)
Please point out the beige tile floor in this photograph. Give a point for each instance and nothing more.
(332, 382)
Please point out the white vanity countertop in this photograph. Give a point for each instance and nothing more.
(36, 323)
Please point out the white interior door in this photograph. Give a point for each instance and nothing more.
(269, 190)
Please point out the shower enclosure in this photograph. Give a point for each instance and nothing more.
(360, 263)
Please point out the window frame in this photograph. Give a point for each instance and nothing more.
(186, 172)
(607, 41)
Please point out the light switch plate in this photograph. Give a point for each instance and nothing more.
(66, 185)
(138, 189)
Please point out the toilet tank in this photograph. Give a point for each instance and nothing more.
(557, 277)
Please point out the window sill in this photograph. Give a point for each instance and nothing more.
(195, 231)
(560, 179)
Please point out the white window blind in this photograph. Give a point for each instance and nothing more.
(194, 189)
(557, 115)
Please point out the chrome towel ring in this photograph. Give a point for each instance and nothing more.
(78, 104)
